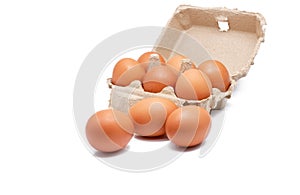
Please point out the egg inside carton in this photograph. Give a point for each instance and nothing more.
(228, 35)
(122, 98)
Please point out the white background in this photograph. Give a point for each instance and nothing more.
(42, 45)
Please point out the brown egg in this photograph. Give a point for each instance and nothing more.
(127, 70)
(188, 126)
(193, 84)
(217, 74)
(159, 77)
(150, 114)
(176, 62)
(144, 59)
(109, 130)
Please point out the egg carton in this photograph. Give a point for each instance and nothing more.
(227, 35)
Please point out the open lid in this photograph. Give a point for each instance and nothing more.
(228, 35)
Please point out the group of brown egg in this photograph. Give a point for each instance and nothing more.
(186, 126)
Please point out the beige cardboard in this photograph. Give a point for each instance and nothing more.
(235, 48)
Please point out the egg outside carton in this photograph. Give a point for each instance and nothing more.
(122, 98)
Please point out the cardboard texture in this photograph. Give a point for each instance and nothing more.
(228, 35)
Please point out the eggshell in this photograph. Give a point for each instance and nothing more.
(127, 70)
(144, 59)
(109, 130)
(188, 126)
(176, 62)
(193, 84)
(217, 74)
(150, 114)
(158, 77)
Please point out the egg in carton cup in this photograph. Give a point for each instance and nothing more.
(230, 36)
(123, 97)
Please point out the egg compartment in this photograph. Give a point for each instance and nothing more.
(230, 36)
(219, 98)
(122, 98)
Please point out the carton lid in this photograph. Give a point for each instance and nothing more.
(228, 35)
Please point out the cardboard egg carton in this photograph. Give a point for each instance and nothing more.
(230, 36)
